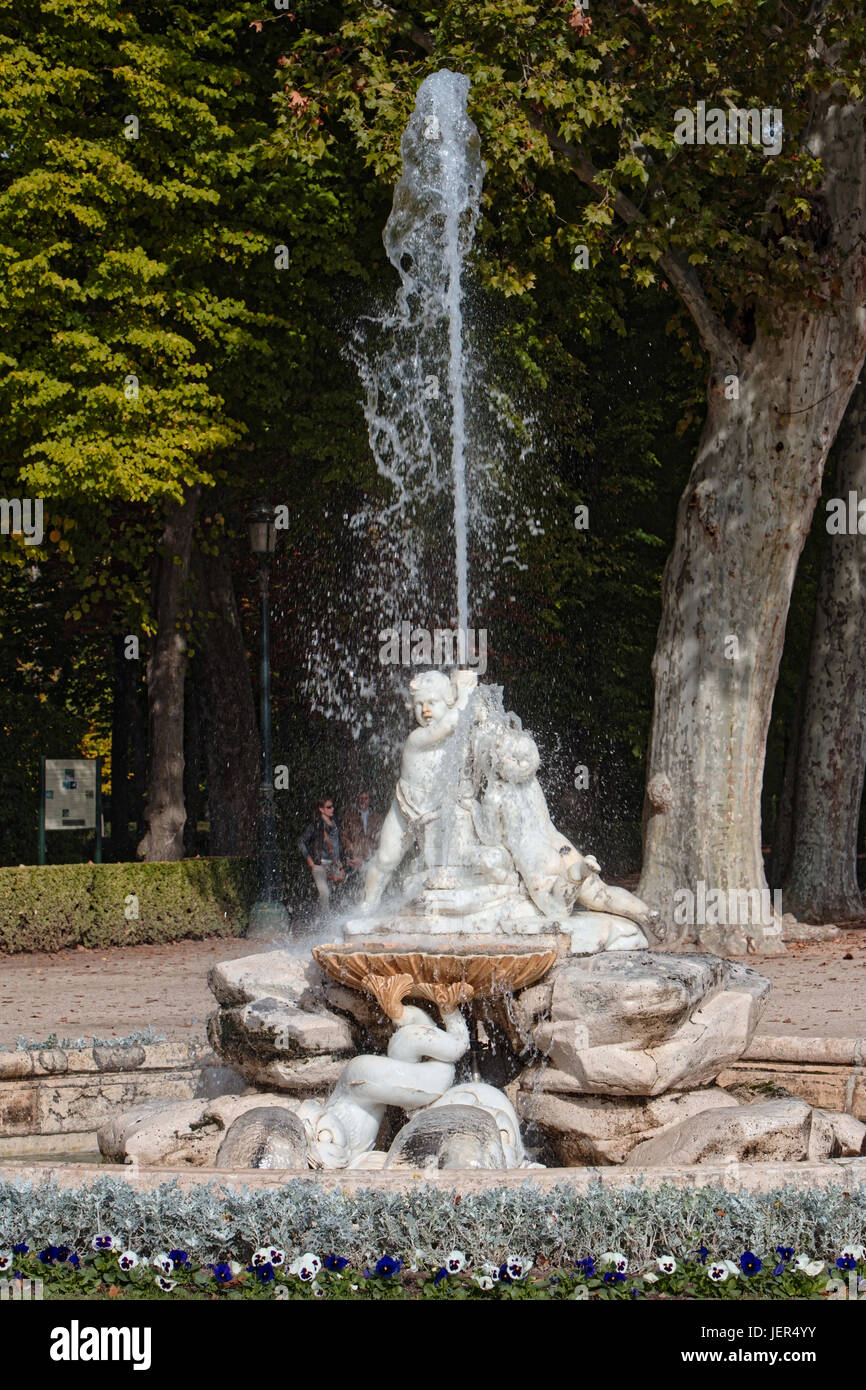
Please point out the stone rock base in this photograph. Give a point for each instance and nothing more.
(774, 1131)
(182, 1134)
(605, 1129)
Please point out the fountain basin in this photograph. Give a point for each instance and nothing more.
(488, 968)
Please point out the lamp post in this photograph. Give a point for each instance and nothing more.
(268, 916)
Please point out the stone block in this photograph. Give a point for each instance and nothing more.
(636, 997)
(604, 1129)
(161, 1133)
(774, 1131)
(276, 974)
(713, 1037)
(19, 1108)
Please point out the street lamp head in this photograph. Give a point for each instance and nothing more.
(263, 530)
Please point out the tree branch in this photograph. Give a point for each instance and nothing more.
(422, 39)
(714, 336)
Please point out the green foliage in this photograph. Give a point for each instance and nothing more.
(63, 905)
(546, 96)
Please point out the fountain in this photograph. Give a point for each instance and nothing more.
(474, 902)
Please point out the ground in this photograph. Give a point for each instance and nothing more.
(819, 990)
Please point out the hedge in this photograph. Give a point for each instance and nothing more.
(62, 905)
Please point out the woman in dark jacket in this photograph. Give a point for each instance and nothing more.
(320, 846)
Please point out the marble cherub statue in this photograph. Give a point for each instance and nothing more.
(417, 799)
(418, 1068)
(513, 812)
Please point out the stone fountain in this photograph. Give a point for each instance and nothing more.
(556, 1006)
(607, 1048)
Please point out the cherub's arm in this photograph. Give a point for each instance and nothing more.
(427, 735)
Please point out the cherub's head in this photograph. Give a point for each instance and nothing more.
(432, 695)
(517, 757)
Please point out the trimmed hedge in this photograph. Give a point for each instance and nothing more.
(62, 905)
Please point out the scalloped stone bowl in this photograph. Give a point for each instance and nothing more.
(490, 970)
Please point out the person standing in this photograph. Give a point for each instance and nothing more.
(320, 847)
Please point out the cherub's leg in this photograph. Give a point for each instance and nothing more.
(387, 857)
(599, 896)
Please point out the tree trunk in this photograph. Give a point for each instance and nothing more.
(165, 812)
(741, 525)
(192, 762)
(138, 751)
(783, 830)
(821, 883)
(230, 732)
(123, 683)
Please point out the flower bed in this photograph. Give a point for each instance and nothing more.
(107, 1269)
(672, 1242)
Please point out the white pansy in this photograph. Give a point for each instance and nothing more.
(484, 1281)
(103, 1243)
(807, 1266)
(517, 1266)
(718, 1271)
(455, 1261)
(235, 1268)
(732, 1268)
(306, 1267)
(666, 1264)
(5, 1259)
(165, 1284)
(128, 1259)
(614, 1259)
(162, 1262)
(852, 1252)
(650, 1278)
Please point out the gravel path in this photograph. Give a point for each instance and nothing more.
(820, 990)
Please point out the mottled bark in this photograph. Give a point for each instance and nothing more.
(165, 812)
(192, 761)
(741, 525)
(821, 880)
(783, 830)
(230, 737)
(122, 711)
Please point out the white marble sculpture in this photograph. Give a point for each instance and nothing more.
(489, 859)
(496, 1103)
(418, 1068)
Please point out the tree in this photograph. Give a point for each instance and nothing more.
(148, 323)
(828, 759)
(763, 243)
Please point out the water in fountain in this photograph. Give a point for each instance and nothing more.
(450, 444)
(416, 389)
